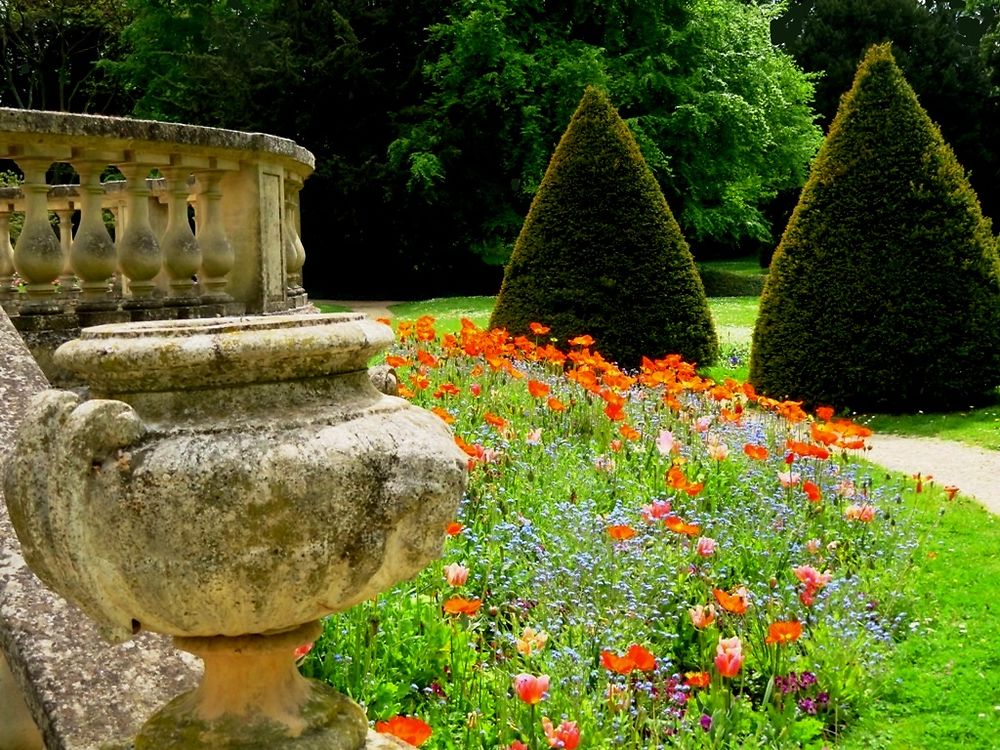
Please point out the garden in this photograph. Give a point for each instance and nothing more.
(653, 554)
(646, 560)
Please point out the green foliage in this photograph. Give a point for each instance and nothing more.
(884, 293)
(51, 54)
(721, 116)
(600, 252)
(936, 47)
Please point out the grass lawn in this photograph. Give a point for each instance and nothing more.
(978, 426)
(942, 686)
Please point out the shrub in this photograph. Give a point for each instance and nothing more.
(600, 252)
(884, 293)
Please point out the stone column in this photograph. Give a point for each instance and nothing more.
(295, 253)
(7, 291)
(138, 249)
(181, 251)
(216, 251)
(38, 256)
(93, 254)
(67, 279)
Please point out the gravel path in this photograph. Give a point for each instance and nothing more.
(975, 471)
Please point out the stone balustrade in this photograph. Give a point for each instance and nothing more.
(203, 222)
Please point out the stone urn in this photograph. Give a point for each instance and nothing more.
(228, 482)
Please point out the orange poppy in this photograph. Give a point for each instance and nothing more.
(621, 532)
(409, 729)
(636, 658)
(697, 679)
(812, 491)
(537, 388)
(734, 603)
(444, 414)
(679, 526)
(584, 340)
(555, 404)
(783, 632)
(460, 606)
(615, 412)
(825, 413)
(628, 432)
(756, 452)
(454, 528)
(492, 419)
(538, 329)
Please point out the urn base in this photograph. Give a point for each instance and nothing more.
(252, 697)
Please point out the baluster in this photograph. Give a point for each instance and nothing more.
(181, 251)
(67, 280)
(93, 254)
(295, 252)
(217, 254)
(38, 256)
(138, 250)
(7, 291)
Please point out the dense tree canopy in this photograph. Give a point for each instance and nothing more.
(444, 113)
(50, 53)
(721, 116)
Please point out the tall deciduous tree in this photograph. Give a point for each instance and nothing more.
(50, 53)
(884, 293)
(721, 116)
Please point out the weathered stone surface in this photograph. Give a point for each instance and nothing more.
(81, 692)
(229, 477)
(126, 130)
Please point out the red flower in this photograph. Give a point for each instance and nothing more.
(566, 735)
(454, 528)
(531, 689)
(812, 491)
(408, 728)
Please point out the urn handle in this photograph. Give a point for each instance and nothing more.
(59, 447)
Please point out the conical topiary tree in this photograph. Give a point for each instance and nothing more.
(884, 293)
(600, 252)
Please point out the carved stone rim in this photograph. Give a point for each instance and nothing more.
(33, 123)
(168, 355)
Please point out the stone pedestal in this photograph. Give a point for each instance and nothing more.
(229, 482)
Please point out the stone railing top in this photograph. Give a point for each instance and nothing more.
(128, 133)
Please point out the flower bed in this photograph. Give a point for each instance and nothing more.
(642, 560)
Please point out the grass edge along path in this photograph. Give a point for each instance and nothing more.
(941, 687)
